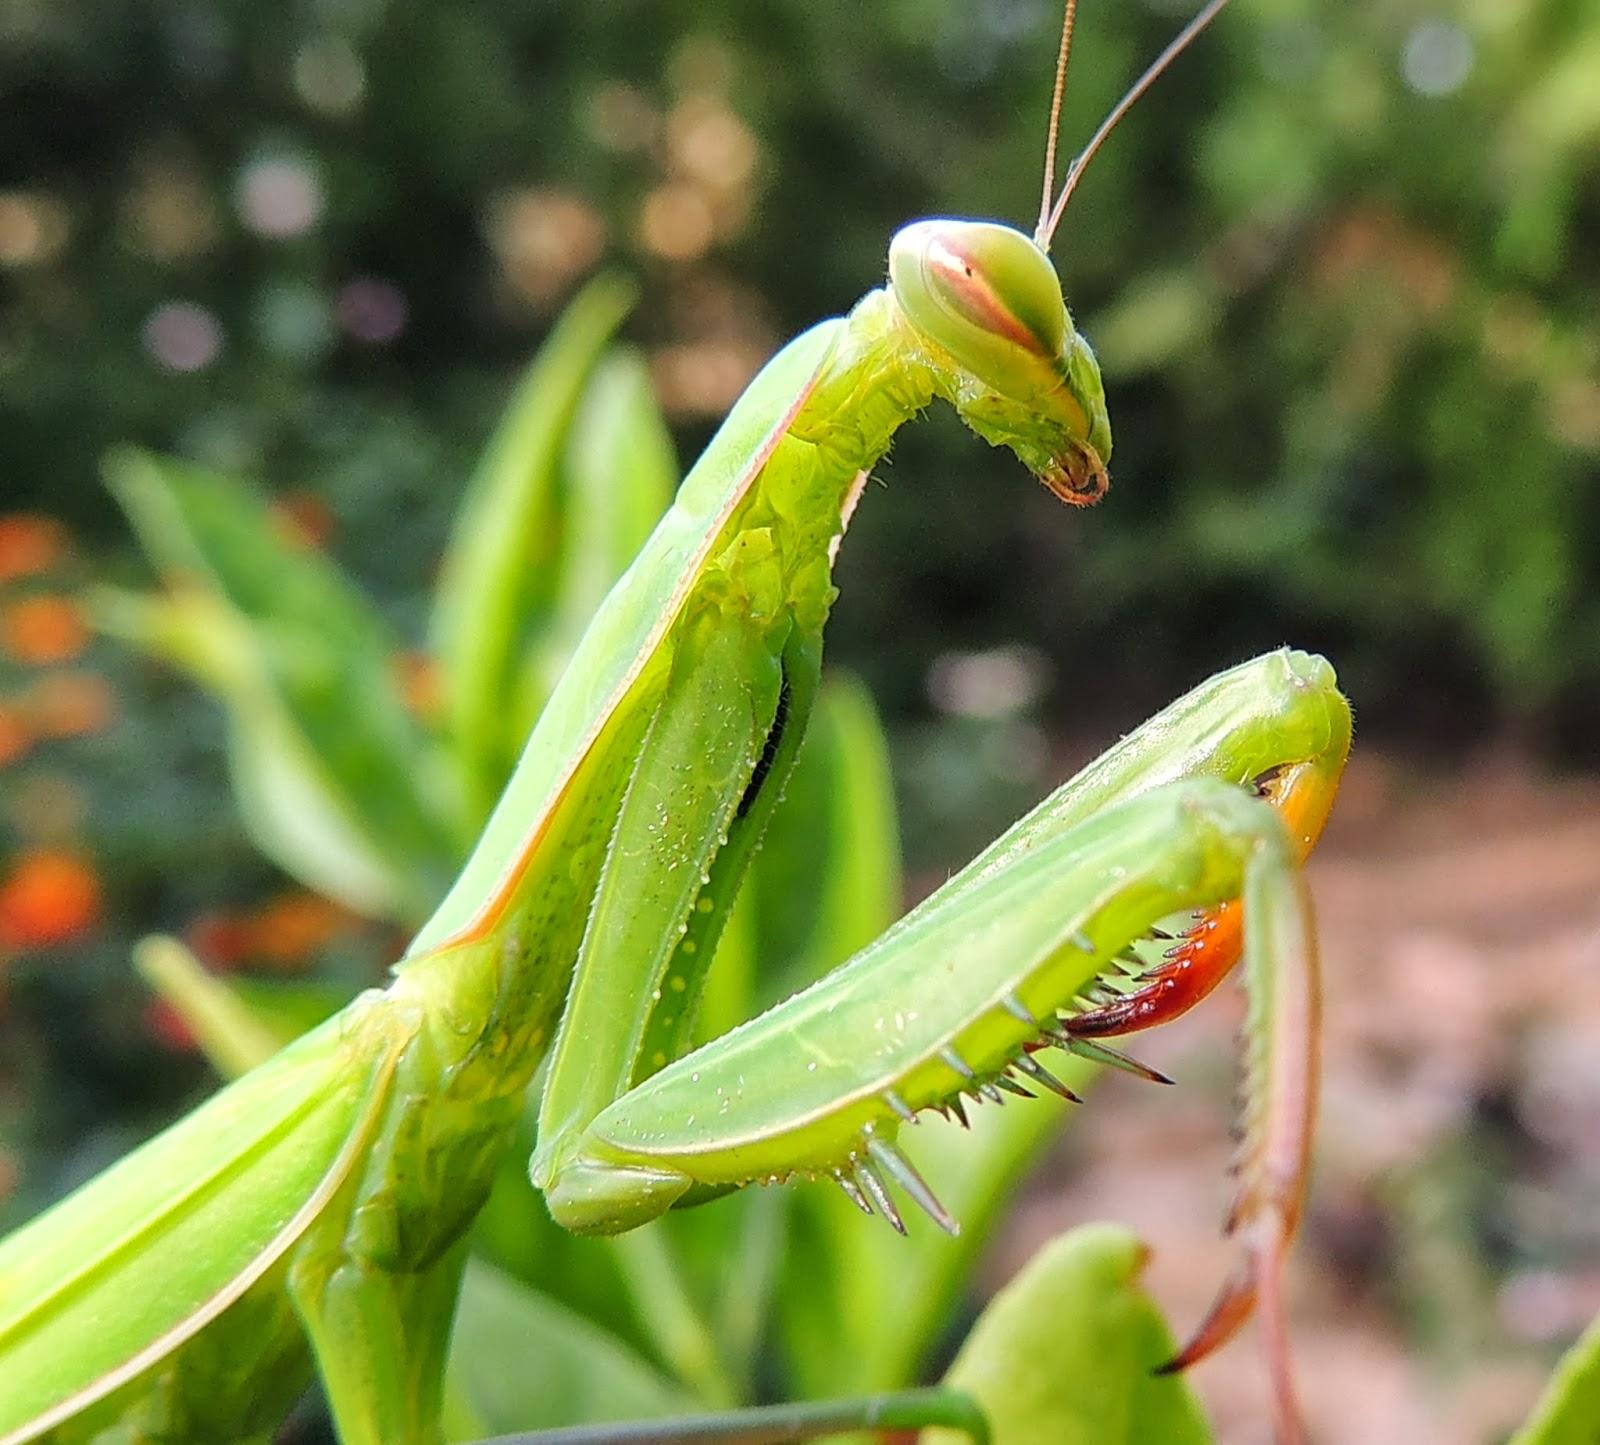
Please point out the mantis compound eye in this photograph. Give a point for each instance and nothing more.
(986, 294)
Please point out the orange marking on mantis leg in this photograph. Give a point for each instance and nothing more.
(1303, 796)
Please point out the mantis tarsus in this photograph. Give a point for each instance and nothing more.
(328, 1192)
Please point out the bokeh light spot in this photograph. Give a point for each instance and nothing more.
(29, 543)
(709, 143)
(181, 336)
(33, 228)
(41, 630)
(676, 222)
(329, 76)
(1437, 58)
(168, 213)
(279, 198)
(372, 311)
(544, 239)
(294, 321)
(70, 705)
(46, 899)
(620, 119)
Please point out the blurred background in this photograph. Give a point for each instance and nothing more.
(1342, 269)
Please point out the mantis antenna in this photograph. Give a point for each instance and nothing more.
(1047, 226)
(1039, 234)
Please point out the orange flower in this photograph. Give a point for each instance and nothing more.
(44, 629)
(420, 683)
(168, 1026)
(16, 738)
(70, 705)
(28, 543)
(303, 518)
(288, 930)
(222, 941)
(47, 898)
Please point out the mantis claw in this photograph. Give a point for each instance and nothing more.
(1037, 1072)
(904, 1173)
(1256, 1283)
(852, 1191)
(1099, 1053)
(871, 1184)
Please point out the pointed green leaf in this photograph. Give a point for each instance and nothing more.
(238, 1023)
(1065, 1353)
(1569, 1411)
(336, 782)
(618, 475)
(520, 1361)
(228, 1033)
(498, 576)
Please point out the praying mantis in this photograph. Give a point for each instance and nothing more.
(324, 1198)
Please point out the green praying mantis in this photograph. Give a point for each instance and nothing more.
(324, 1198)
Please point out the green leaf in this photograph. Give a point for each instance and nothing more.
(1569, 1411)
(499, 573)
(334, 780)
(862, 1307)
(828, 875)
(520, 1361)
(1064, 1354)
(618, 475)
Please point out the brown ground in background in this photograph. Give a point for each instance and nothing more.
(1453, 1238)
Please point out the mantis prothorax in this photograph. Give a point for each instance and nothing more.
(328, 1192)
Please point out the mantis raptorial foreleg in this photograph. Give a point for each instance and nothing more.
(993, 967)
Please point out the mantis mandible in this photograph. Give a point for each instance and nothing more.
(325, 1196)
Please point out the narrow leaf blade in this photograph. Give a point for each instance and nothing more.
(319, 729)
(497, 575)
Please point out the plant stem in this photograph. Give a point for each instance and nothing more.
(780, 1424)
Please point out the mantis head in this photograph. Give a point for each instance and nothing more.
(987, 304)
(985, 301)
